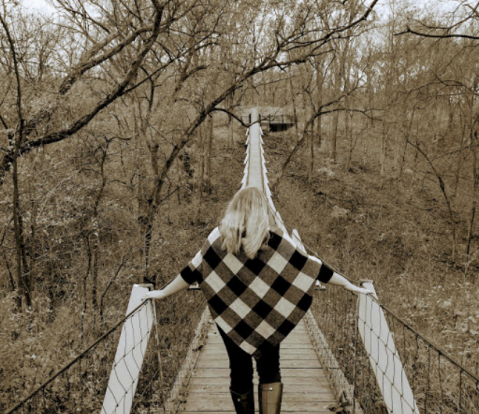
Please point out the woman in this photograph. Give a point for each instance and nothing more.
(258, 287)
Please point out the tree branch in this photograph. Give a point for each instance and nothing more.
(436, 36)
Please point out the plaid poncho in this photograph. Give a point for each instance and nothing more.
(257, 302)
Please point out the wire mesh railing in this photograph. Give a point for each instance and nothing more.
(439, 384)
(81, 384)
(98, 380)
(380, 364)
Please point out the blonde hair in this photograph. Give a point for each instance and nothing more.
(246, 222)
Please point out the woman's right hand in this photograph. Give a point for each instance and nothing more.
(154, 294)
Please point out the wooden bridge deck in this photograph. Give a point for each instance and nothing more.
(306, 388)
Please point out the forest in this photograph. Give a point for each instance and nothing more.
(122, 132)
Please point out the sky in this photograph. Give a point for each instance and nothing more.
(427, 5)
(38, 5)
(382, 8)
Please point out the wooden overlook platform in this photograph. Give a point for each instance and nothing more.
(306, 388)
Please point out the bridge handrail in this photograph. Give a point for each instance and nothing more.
(75, 359)
(65, 386)
(395, 316)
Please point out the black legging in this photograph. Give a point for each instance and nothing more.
(241, 365)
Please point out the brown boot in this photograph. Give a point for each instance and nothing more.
(243, 403)
(270, 396)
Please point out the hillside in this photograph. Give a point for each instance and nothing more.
(394, 232)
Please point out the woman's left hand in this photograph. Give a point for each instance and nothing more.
(357, 289)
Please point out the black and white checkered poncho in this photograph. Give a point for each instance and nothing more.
(258, 302)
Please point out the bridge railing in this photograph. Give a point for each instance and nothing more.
(153, 358)
(440, 385)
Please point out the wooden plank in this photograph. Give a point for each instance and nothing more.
(299, 338)
(307, 356)
(287, 372)
(300, 329)
(288, 352)
(297, 354)
(317, 381)
(229, 412)
(220, 402)
(218, 345)
(289, 389)
(284, 363)
(220, 348)
(292, 397)
(320, 411)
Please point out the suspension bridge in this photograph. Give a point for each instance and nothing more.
(350, 354)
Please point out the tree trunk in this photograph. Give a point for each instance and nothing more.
(208, 144)
(475, 178)
(23, 279)
(10, 275)
(311, 154)
(384, 149)
(336, 80)
(450, 118)
(148, 231)
(402, 161)
(319, 103)
(460, 159)
(16, 140)
(31, 265)
(94, 285)
(334, 135)
(96, 233)
(200, 172)
(231, 134)
(347, 127)
(148, 218)
(86, 239)
(295, 114)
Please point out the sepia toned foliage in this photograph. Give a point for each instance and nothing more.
(121, 133)
(112, 122)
